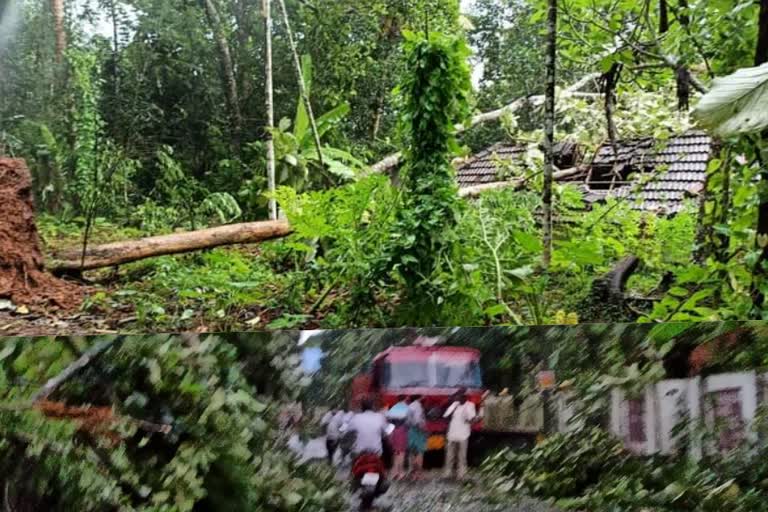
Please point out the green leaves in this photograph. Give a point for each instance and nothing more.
(433, 96)
(737, 103)
(210, 459)
(297, 151)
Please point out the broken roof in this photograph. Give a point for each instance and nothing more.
(652, 175)
(488, 166)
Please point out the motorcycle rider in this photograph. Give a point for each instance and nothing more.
(370, 428)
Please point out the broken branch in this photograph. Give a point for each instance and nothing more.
(393, 160)
(86, 359)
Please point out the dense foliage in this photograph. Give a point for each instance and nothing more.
(588, 469)
(221, 451)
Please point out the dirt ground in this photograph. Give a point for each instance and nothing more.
(433, 493)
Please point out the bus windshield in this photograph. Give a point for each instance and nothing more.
(432, 373)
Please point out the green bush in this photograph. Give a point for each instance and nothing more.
(589, 469)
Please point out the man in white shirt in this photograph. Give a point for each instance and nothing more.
(462, 413)
(370, 428)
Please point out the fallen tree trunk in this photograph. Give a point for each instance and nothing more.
(118, 253)
(393, 160)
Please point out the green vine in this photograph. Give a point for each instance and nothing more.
(433, 96)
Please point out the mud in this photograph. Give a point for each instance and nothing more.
(23, 278)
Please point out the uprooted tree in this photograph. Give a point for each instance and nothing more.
(23, 276)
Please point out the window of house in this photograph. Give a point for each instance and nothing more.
(637, 433)
(727, 409)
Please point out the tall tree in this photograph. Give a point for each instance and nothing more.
(227, 69)
(549, 128)
(761, 51)
(57, 8)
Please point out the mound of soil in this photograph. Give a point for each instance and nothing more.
(23, 278)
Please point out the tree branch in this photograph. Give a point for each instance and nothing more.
(88, 357)
(393, 160)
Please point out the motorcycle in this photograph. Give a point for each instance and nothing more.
(368, 476)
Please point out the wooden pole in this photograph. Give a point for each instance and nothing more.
(267, 7)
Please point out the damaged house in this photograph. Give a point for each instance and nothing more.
(651, 175)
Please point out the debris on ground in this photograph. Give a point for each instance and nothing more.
(436, 494)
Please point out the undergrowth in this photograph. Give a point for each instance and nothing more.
(589, 469)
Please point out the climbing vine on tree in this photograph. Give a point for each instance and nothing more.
(434, 95)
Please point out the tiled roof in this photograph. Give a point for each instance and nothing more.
(487, 166)
(484, 166)
(674, 169)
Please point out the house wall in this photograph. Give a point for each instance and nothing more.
(567, 406)
(733, 397)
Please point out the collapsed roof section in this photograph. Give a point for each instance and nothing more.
(652, 175)
(494, 164)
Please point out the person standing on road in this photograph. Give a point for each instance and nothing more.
(417, 436)
(398, 439)
(462, 414)
(369, 428)
(333, 422)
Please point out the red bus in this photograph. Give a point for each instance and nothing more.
(434, 372)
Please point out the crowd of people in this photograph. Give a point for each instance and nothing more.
(349, 434)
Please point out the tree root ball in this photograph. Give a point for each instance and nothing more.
(23, 278)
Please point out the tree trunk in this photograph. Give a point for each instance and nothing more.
(761, 56)
(267, 8)
(115, 48)
(476, 190)
(57, 8)
(227, 70)
(377, 115)
(549, 129)
(118, 253)
(663, 16)
(684, 18)
(610, 79)
(761, 52)
(244, 33)
(725, 207)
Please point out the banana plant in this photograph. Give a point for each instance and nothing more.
(295, 150)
